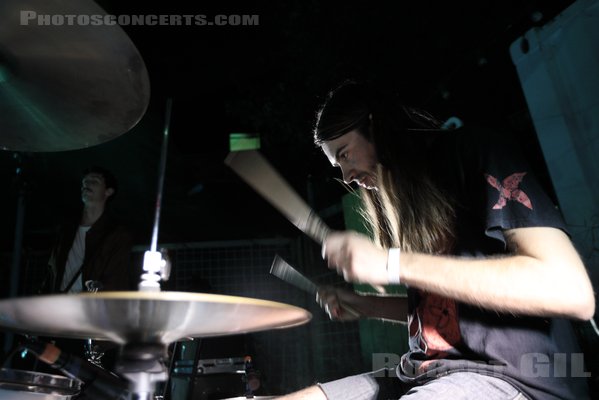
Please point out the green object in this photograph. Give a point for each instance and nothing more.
(28, 109)
(243, 141)
(378, 339)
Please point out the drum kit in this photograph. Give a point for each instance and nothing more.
(71, 87)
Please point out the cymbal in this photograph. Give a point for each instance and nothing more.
(66, 87)
(145, 317)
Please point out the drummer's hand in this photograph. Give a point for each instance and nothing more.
(356, 257)
(340, 304)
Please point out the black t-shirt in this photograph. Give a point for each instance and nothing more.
(494, 190)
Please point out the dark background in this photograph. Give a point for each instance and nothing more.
(449, 57)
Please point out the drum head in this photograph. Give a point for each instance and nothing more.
(29, 385)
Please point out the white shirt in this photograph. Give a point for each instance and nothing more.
(74, 261)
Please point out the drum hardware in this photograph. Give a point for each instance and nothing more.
(143, 365)
(63, 88)
(97, 383)
(27, 385)
(155, 265)
(93, 286)
(21, 185)
(251, 377)
(72, 87)
(92, 353)
(144, 322)
(145, 317)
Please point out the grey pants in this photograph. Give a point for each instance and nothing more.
(455, 386)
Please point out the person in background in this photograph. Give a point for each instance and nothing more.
(92, 253)
(93, 250)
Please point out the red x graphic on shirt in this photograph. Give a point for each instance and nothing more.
(508, 190)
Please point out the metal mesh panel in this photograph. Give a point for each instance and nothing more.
(289, 359)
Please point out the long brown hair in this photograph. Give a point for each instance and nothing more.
(409, 210)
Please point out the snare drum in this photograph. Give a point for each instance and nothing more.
(26, 385)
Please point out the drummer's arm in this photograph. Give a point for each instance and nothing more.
(345, 305)
(309, 393)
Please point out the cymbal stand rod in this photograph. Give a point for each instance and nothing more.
(153, 261)
(167, 122)
(142, 364)
(15, 269)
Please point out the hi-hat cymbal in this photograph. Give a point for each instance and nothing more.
(145, 317)
(66, 87)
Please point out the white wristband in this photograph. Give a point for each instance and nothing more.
(393, 266)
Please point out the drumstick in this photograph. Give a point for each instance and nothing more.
(255, 170)
(282, 270)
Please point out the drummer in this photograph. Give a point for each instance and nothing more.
(459, 218)
(92, 251)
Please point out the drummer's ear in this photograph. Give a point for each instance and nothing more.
(109, 192)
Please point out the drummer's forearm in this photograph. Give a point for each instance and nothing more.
(310, 393)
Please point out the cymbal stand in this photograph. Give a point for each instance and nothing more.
(21, 187)
(143, 363)
(154, 265)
